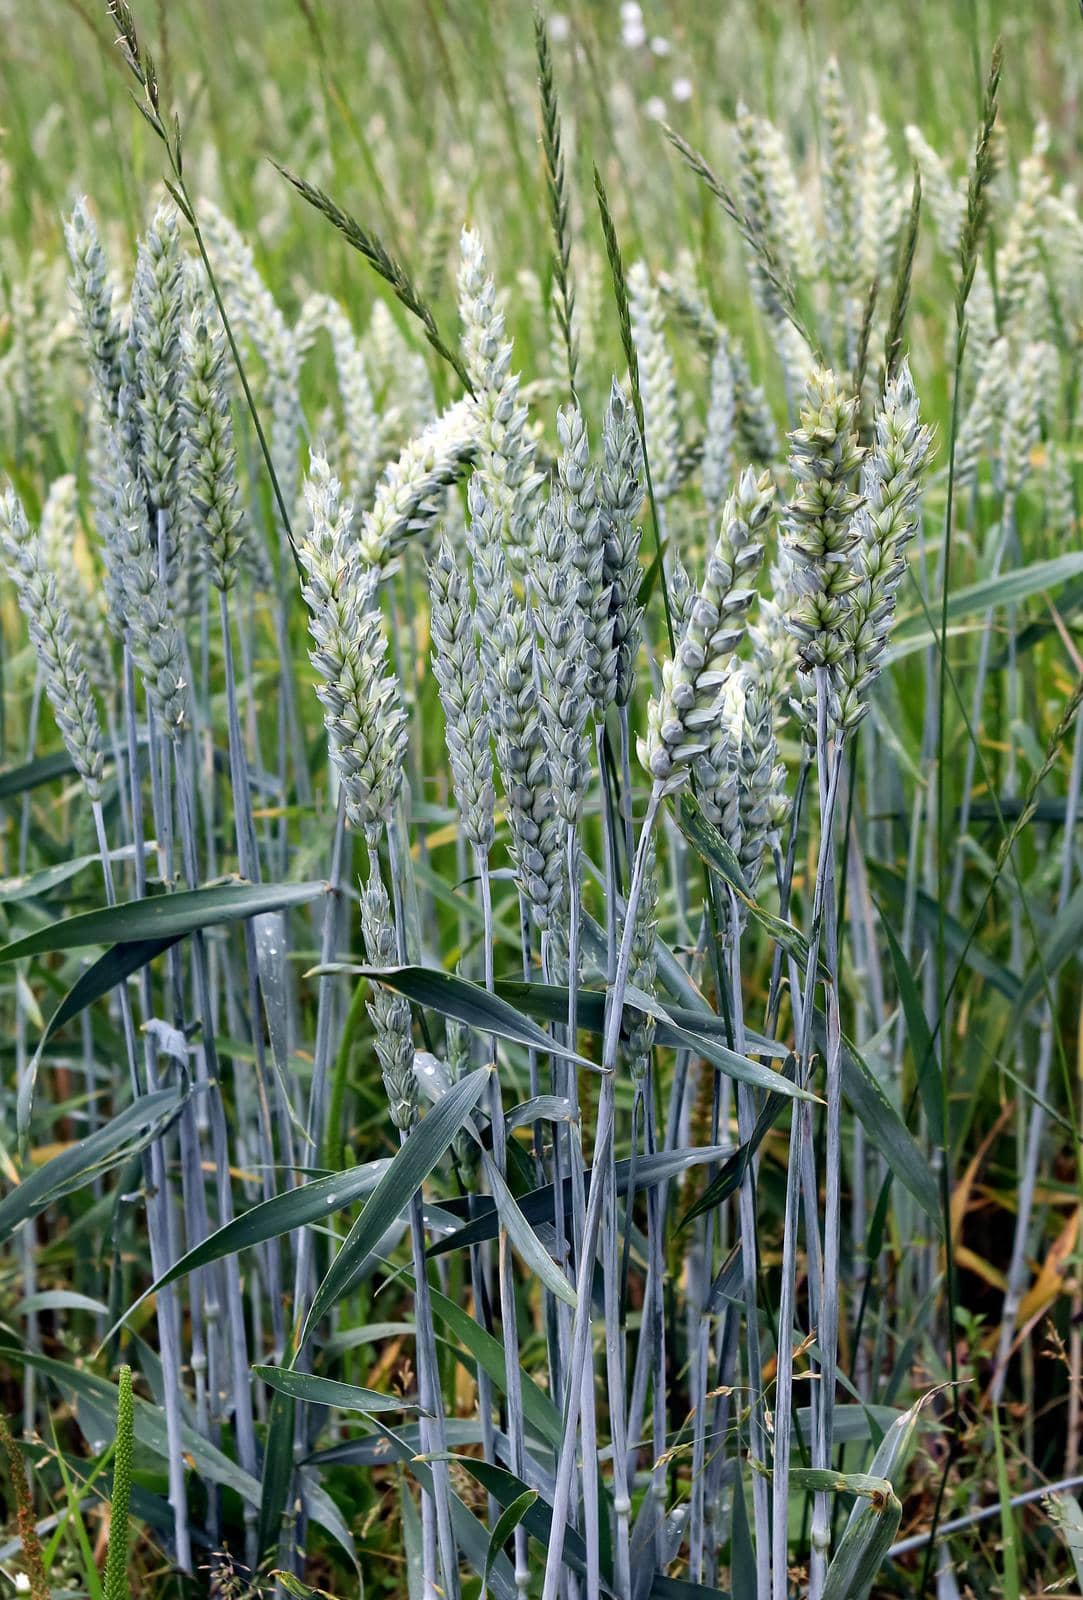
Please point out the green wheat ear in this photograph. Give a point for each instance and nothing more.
(116, 1560)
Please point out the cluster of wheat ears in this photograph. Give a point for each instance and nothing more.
(611, 666)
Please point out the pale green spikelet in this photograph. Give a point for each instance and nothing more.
(58, 531)
(409, 494)
(210, 456)
(683, 718)
(508, 655)
(363, 714)
(1023, 409)
(156, 330)
(981, 415)
(720, 433)
(582, 513)
(57, 651)
(563, 658)
(887, 519)
(92, 297)
(505, 447)
(458, 673)
(620, 496)
(818, 523)
(944, 198)
(657, 381)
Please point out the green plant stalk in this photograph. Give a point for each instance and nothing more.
(603, 1147)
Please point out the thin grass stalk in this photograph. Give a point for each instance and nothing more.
(1016, 1276)
(433, 1432)
(505, 1267)
(757, 1433)
(603, 1146)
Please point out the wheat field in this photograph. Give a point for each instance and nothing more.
(541, 751)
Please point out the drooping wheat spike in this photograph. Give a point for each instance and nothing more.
(156, 330)
(818, 523)
(945, 199)
(458, 672)
(683, 717)
(210, 457)
(564, 657)
(557, 192)
(887, 519)
(95, 311)
(253, 309)
(363, 715)
(57, 651)
(720, 433)
(582, 514)
(116, 1585)
(657, 380)
(1024, 405)
(58, 532)
(140, 602)
(33, 1559)
(838, 173)
(1019, 259)
(410, 492)
(620, 496)
(982, 413)
(505, 448)
(508, 653)
(390, 1012)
